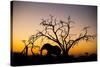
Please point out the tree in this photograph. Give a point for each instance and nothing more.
(31, 41)
(25, 50)
(59, 32)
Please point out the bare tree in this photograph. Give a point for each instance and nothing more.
(30, 43)
(25, 50)
(59, 32)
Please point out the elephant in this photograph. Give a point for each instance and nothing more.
(52, 50)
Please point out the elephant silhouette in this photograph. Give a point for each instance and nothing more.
(52, 50)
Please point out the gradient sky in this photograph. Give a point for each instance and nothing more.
(28, 15)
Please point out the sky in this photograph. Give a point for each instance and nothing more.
(27, 17)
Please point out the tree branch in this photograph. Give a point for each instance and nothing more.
(85, 37)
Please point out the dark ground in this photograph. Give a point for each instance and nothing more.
(18, 59)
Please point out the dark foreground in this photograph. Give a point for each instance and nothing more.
(18, 60)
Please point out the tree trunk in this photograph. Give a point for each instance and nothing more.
(32, 50)
(26, 51)
(65, 53)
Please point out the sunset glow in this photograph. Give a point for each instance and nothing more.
(27, 17)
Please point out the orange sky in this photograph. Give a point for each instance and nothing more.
(27, 16)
